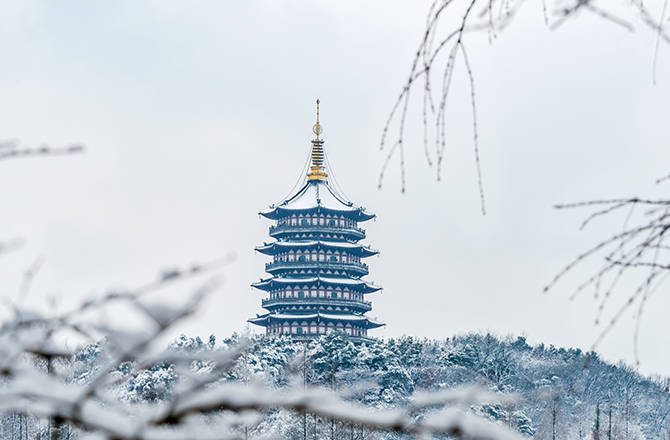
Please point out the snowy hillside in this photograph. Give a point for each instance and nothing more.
(561, 393)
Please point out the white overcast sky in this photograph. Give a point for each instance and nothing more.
(196, 115)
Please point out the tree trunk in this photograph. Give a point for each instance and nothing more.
(609, 423)
(553, 423)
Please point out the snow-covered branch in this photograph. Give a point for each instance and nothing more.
(36, 380)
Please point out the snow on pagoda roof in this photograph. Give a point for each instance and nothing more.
(317, 194)
(366, 286)
(363, 251)
(350, 317)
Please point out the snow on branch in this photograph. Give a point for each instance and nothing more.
(35, 381)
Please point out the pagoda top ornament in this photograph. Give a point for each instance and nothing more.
(317, 128)
(317, 169)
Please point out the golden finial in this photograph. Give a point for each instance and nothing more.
(317, 170)
(317, 129)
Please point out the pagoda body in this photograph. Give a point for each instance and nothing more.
(316, 280)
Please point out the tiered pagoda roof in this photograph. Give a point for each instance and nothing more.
(316, 284)
(320, 196)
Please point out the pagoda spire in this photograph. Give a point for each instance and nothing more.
(317, 129)
(317, 169)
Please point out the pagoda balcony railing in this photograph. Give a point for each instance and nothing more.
(298, 229)
(306, 337)
(274, 266)
(335, 302)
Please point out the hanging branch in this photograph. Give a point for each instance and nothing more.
(448, 22)
(638, 252)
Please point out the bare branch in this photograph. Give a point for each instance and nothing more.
(451, 40)
(641, 247)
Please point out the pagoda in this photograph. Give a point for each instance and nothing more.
(316, 280)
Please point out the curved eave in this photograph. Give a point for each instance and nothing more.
(359, 250)
(260, 320)
(264, 320)
(277, 212)
(270, 283)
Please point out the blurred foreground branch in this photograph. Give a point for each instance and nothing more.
(13, 150)
(31, 348)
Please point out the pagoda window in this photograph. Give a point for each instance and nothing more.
(304, 222)
(299, 330)
(301, 294)
(322, 220)
(332, 258)
(333, 294)
(301, 258)
(331, 222)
